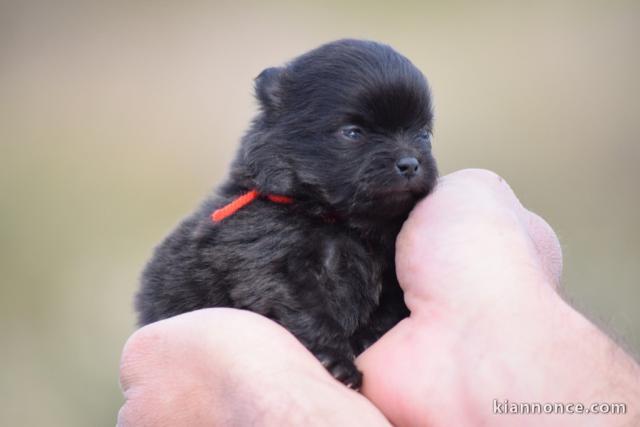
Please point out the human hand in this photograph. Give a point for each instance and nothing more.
(478, 272)
(228, 367)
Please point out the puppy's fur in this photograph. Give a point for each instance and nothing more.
(345, 131)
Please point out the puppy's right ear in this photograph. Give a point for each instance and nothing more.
(268, 89)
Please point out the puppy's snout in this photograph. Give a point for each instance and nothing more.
(408, 166)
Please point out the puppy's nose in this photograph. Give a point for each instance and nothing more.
(408, 166)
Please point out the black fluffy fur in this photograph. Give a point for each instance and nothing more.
(332, 125)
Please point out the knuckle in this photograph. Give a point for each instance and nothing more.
(481, 175)
(487, 182)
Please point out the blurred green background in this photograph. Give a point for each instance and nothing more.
(117, 117)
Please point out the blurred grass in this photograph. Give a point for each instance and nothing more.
(117, 117)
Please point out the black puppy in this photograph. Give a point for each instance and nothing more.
(303, 231)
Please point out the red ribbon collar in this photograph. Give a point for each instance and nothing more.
(242, 201)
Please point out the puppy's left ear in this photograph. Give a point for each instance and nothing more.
(268, 89)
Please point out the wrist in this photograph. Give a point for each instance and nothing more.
(544, 351)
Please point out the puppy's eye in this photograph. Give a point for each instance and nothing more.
(352, 133)
(424, 135)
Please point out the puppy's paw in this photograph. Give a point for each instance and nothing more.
(342, 369)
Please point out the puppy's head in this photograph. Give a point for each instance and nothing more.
(347, 125)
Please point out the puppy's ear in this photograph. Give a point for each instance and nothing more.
(268, 88)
